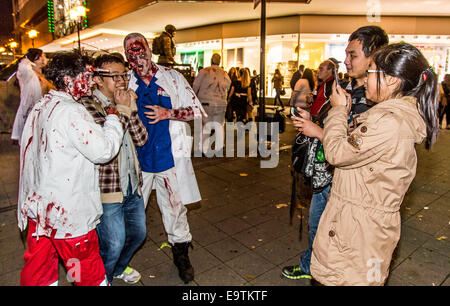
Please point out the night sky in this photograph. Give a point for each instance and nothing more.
(6, 21)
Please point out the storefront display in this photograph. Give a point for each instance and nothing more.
(284, 52)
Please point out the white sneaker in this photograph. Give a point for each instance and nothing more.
(129, 275)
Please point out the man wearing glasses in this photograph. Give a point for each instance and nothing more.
(122, 227)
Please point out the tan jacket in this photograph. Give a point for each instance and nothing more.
(375, 164)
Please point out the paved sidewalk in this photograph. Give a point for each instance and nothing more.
(241, 233)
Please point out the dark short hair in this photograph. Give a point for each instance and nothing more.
(65, 64)
(33, 54)
(371, 38)
(107, 59)
(170, 28)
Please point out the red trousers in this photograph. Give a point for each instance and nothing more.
(81, 257)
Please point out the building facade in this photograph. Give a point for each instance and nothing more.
(300, 34)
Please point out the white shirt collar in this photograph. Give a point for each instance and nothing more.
(102, 97)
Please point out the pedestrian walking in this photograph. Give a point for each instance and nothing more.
(33, 85)
(278, 81)
(240, 96)
(211, 87)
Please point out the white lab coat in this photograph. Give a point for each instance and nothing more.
(59, 184)
(181, 96)
(30, 93)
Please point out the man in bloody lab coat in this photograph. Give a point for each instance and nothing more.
(165, 103)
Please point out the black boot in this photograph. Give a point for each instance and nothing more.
(181, 260)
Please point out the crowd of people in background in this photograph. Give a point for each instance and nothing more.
(97, 135)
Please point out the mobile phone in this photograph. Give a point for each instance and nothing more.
(336, 78)
(294, 112)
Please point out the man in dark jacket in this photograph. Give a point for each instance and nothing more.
(297, 76)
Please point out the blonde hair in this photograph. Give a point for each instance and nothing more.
(244, 77)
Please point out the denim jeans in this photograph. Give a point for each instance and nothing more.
(121, 231)
(278, 98)
(318, 203)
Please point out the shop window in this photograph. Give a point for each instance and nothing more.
(235, 57)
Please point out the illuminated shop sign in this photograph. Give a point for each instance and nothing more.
(60, 22)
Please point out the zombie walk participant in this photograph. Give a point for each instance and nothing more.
(122, 227)
(59, 195)
(211, 86)
(33, 86)
(165, 97)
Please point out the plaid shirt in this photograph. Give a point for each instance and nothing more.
(109, 173)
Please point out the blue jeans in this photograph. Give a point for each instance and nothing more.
(318, 203)
(121, 231)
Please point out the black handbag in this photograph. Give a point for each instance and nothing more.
(300, 150)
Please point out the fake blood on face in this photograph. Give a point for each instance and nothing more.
(80, 86)
(138, 55)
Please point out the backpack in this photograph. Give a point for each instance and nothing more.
(157, 45)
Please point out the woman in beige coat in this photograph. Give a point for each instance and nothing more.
(375, 164)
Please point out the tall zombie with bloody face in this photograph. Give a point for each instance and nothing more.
(139, 56)
(166, 96)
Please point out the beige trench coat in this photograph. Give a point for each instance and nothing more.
(375, 164)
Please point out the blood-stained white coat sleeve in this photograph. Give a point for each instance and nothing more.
(198, 82)
(189, 98)
(98, 144)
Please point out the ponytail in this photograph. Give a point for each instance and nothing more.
(427, 94)
(417, 79)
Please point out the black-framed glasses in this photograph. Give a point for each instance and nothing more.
(117, 77)
(372, 71)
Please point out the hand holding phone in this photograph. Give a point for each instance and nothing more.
(336, 78)
(294, 112)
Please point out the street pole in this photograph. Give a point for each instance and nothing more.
(78, 30)
(262, 64)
